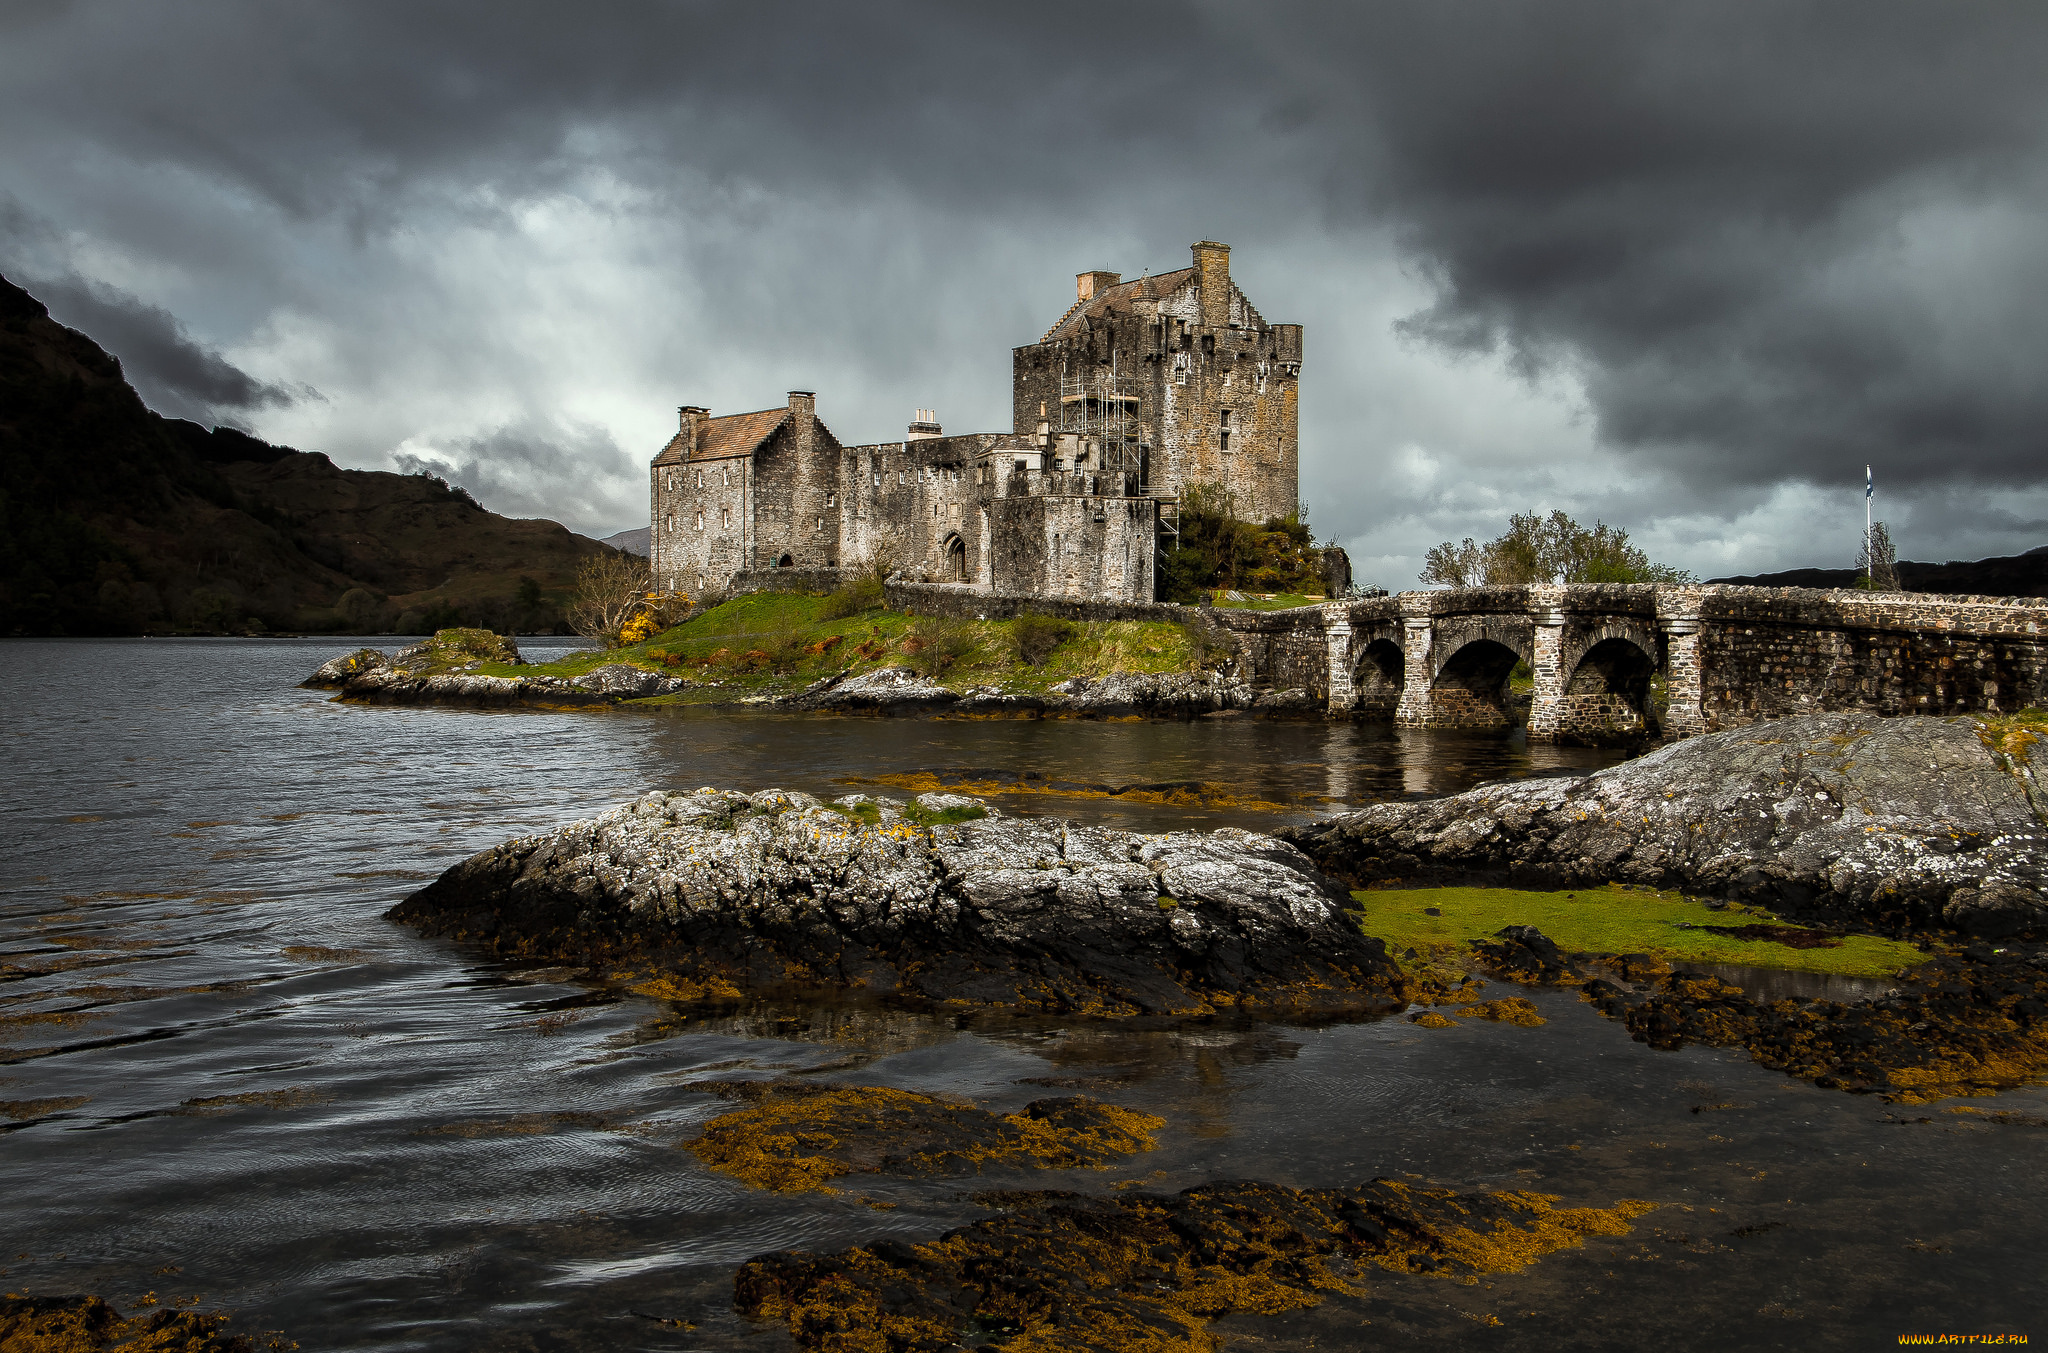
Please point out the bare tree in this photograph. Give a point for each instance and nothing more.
(610, 587)
(1878, 560)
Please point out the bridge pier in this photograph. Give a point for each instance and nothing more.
(1337, 636)
(1684, 691)
(1546, 702)
(1418, 706)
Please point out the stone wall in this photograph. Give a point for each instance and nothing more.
(970, 603)
(1769, 652)
(795, 493)
(807, 581)
(1072, 546)
(700, 523)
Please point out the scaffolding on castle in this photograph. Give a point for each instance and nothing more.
(1101, 406)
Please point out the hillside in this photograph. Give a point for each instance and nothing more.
(2020, 575)
(114, 520)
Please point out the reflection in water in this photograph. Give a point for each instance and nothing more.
(1776, 984)
(217, 1057)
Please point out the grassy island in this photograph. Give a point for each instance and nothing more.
(771, 644)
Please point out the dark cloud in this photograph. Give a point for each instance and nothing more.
(174, 374)
(1663, 261)
(560, 472)
(1771, 236)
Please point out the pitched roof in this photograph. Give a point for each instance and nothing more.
(1119, 297)
(735, 434)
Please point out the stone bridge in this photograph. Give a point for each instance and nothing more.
(1617, 662)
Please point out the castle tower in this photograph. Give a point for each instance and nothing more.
(1177, 376)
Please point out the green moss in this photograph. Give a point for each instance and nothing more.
(925, 817)
(1612, 920)
(870, 813)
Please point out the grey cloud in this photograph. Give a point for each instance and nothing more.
(173, 373)
(571, 473)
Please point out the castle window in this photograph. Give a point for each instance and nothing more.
(831, 500)
(700, 519)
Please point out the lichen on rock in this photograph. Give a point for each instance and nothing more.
(938, 901)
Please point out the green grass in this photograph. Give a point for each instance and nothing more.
(1279, 601)
(783, 626)
(1612, 920)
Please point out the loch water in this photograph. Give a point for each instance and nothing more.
(224, 1075)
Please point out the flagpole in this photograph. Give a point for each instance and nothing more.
(1869, 561)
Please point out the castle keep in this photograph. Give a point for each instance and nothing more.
(1140, 391)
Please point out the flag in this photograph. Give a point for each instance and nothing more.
(1867, 484)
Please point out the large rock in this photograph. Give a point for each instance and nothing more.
(626, 682)
(1902, 821)
(776, 891)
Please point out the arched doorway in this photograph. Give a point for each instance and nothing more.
(953, 560)
(785, 562)
(1471, 689)
(1607, 699)
(1382, 671)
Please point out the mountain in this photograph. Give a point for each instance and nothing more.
(631, 542)
(114, 520)
(2020, 575)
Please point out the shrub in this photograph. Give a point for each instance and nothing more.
(856, 594)
(1036, 636)
(610, 587)
(938, 643)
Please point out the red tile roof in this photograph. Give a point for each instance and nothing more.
(735, 434)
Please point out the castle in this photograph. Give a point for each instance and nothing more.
(1142, 390)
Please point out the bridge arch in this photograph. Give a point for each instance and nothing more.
(1470, 687)
(1606, 694)
(1380, 672)
(1582, 638)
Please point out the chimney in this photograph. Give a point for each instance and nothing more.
(926, 424)
(803, 402)
(1212, 267)
(1089, 285)
(691, 419)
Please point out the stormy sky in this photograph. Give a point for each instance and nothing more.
(1683, 267)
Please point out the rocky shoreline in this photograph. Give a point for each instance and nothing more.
(1900, 824)
(413, 677)
(939, 901)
